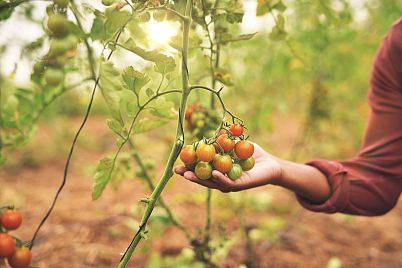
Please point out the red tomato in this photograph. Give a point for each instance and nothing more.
(244, 149)
(188, 155)
(11, 219)
(205, 152)
(236, 130)
(225, 142)
(247, 164)
(222, 131)
(21, 258)
(7, 245)
(203, 170)
(223, 163)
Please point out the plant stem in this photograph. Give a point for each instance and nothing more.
(151, 186)
(178, 144)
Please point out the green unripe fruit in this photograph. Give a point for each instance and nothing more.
(39, 67)
(53, 77)
(58, 25)
(203, 170)
(235, 172)
(61, 3)
(72, 41)
(144, 17)
(247, 164)
(108, 2)
(159, 15)
(200, 123)
(58, 47)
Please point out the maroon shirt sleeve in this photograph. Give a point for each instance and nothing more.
(370, 183)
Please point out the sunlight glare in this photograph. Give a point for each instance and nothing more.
(161, 32)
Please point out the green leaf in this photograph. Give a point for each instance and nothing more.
(230, 38)
(164, 64)
(147, 124)
(98, 30)
(102, 176)
(134, 79)
(6, 12)
(111, 83)
(115, 19)
(265, 6)
(163, 108)
(115, 126)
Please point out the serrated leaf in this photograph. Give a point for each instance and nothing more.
(163, 108)
(115, 126)
(97, 30)
(102, 176)
(110, 83)
(147, 124)
(134, 79)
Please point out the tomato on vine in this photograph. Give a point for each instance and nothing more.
(236, 130)
(58, 25)
(7, 245)
(205, 152)
(53, 77)
(203, 170)
(244, 149)
(222, 163)
(21, 258)
(235, 172)
(11, 219)
(188, 155)
(225, 142)
(247, 164)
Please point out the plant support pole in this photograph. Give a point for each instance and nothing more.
(178, 144)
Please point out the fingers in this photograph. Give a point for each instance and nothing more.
(180, 170)
(189, 175)
(221, 179)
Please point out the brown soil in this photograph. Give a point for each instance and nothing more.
(82, 233)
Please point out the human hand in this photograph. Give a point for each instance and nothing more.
(267, 170)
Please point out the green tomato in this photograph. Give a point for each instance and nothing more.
(144, 17)
(159, 15)
(61, 3)
(108, 2)
(200, 123)
(53, 77)
(203, 170)
(38, 67)
(235, 172)
(58, 47)
(247, 164)
(58, 25)
(72, 41)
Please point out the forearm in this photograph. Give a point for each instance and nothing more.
(304, 180)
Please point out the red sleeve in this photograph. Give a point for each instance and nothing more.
(370, 183)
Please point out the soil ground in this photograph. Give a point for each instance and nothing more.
(83, 233)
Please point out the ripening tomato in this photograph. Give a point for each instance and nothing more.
(7, 245)
(244, 149)
(235, 172)
(205, 152)
(247, 164)
(203, 170)
(58, 25)
(223, 163)
(222, 131)
(21, 258)
(225, 142)
(11, 219)
(188, 155)
(236, 130)
(188, 113)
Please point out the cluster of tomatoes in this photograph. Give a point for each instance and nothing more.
(63, 45)
(18, 256)
(201, 121)
(228, 152)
